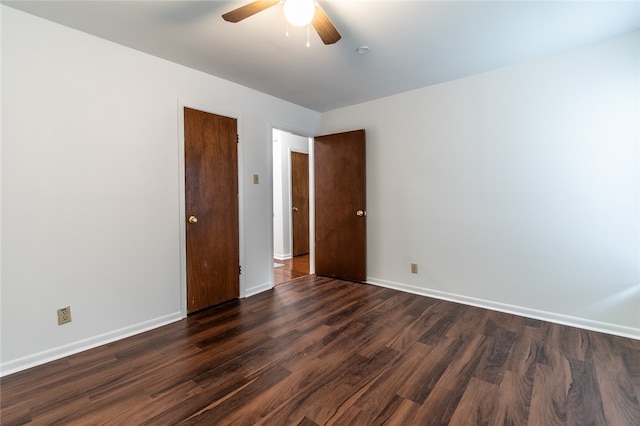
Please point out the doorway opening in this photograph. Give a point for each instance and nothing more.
(292, 206)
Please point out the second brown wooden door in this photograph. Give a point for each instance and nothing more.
(340, 206)
(211, 206)
(300, 203)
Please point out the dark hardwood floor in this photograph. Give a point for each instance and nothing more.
(292, 269)
(319, 351)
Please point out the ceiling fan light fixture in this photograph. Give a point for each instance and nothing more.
(299, 12)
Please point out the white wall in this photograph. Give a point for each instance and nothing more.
(517, 189)
(282, 149)
(91, 185)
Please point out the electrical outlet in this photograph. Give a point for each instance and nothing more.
(64, 315)
(414, 268)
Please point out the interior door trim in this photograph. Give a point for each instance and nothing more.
(182, 230)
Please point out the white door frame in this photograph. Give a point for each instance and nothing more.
(312, 249)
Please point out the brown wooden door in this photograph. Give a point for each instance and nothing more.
(211, 198)
(300, 202)
(340, 209)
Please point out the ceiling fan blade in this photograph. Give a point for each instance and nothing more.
(324, 27)
(247, 10)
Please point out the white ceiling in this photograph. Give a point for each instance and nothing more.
(412, 43)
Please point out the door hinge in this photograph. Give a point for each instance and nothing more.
(240, 269)
(237, 138)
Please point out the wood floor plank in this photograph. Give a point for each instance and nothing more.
(252, 390)
(428, 372)
(584, 402)
(442, 325)
(476, 405)
(443, 400)
(395, 376)
(357, 374)
(516, 387)
(277, 397)
(549, 394)
(468, 322)
(312, 388)
(619, 400)
(404, 414)
(512, 400)
(494, 362)
(413, 331)
(155, 406)
(350, 416)
(320, 351)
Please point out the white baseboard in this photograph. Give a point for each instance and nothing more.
(29, 361)
(282, 256)
(258, 289)
(587, 324)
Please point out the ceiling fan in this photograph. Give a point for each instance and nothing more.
(297, 12)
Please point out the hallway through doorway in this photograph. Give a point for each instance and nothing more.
(290, 269)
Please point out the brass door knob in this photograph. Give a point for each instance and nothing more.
(295, 209)
(361, 213)
(193, 219)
